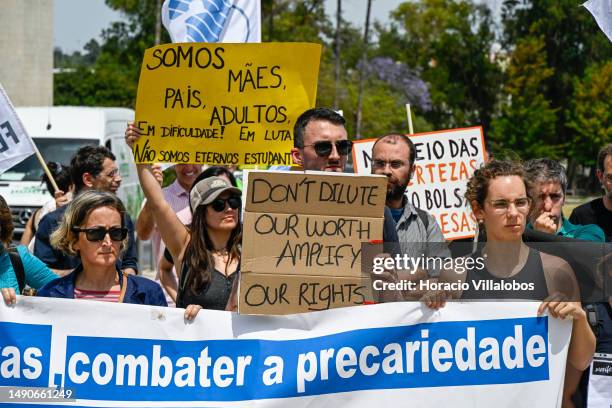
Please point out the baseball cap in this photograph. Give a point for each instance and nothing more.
(206, 191)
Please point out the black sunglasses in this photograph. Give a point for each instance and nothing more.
(219, 204)
(97, 234)
(324, 148)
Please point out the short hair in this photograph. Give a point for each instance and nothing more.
(61, 175)
(545, 171)
(601, 156)
(88, 159)
(6, 222)
(478, 184)
(63, 238)
(393, 138)
(313, 114)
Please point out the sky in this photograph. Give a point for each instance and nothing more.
(75, 22)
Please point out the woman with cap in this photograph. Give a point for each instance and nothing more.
(207, 254)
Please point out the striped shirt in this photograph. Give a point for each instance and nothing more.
(111, 296)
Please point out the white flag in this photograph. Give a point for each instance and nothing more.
(15, 144)
(602, 11)
(235, 21)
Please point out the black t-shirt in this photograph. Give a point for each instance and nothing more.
(594, 212)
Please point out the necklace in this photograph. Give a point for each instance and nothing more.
(221, 252)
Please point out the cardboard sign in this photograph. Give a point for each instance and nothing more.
(302, 240)
(223, 103)
(445, 160)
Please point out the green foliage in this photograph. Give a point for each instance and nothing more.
(590, 115)
(527, 121)
(449, 42)
(572, 42)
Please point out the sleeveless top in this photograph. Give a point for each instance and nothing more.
(214, 295)
(528, 284)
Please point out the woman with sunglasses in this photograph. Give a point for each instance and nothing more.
(93, 229)
(499, 195)
(208, 253)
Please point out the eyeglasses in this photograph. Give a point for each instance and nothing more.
(381, 164)
(219, 204)
(521, 204)
(97, 234)
(324, 148)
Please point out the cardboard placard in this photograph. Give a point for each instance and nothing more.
(223, 103)
(445, 160)
(299, 234)
(316, 193)
(297, 243)
(274, 294)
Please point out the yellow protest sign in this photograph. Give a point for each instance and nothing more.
(223, 103)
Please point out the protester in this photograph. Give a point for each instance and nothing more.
(167, 273)
(499, 195)
(548, 181)
(176, 194)
(321, 143)
(93, 229)
(61, 175)
(208, 253)
(92, 167)
(17, 267)
(599, 211)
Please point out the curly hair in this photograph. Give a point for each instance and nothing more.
(6, 222)
(478, 184)
(63, 238)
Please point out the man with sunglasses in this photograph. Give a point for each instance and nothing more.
(92, 167)
(321, 143)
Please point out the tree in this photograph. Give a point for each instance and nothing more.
(527, 121)
(449, 42)
(590, 114)
(572, 42)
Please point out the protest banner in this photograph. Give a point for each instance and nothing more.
(223, 103)
(445, 160)
(117, 355)
(15, 144)
(302, 240)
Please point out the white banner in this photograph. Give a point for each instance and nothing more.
(468, 354)
(236, 21)
(445, 160)
(15, 144)
(602, 11)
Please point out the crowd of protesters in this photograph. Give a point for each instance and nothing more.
(83, 241)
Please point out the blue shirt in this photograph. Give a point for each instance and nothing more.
(36, 273)
(139, 290)
(58, 260)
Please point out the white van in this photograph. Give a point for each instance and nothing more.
(58, 132)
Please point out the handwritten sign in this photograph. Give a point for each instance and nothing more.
(445, 160)
(302, 240)
(223, 103)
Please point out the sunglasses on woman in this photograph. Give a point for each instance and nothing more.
(219, 203)
(97, 234)
(324, 148)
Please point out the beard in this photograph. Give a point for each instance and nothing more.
(396, 191)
